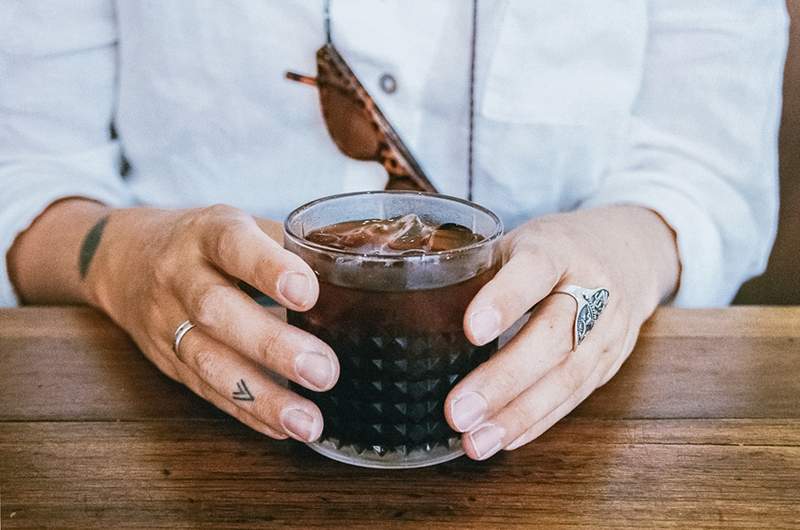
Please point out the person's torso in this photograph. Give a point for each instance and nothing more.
(205, 114)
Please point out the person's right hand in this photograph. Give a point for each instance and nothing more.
(155, 269)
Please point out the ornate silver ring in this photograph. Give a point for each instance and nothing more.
(591, 303)
(185, 327)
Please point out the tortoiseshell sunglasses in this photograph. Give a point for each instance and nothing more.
(356, 124)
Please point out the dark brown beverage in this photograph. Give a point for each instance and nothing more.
(401, 351)
(396, 272)
(402, 235)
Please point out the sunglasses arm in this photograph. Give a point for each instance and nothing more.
(300, 78)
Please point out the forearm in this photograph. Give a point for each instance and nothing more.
(45, 261)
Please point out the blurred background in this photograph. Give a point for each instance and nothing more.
(781, 283)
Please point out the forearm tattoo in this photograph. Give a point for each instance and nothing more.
(242, 393)
(89, 246)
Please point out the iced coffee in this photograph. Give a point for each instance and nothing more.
(396, 272)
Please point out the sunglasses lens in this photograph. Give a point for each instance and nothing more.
(349, 124)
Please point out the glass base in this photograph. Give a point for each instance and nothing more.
(390, 460)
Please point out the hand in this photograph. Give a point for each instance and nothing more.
(536, 379)
(156, 268)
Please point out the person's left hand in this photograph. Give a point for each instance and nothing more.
(536, 379)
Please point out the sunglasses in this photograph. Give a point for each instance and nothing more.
(357, 125)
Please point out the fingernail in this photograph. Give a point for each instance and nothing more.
(315, 369)
(487, 440)
(300, 425)
(295, 287)
(467, 410)
(485, 325)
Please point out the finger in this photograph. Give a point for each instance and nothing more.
(560, 385)
(550, 419)
(575, 399)
(167, 361)
(205, 391)
(231, 317)
(528, 276)
(243, 385)
(627, 347)
(531, 406)
(543, 343)
(239, 247)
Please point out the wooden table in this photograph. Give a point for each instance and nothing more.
(700, 428)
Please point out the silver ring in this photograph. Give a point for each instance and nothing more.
(185, 327)
(591, 303)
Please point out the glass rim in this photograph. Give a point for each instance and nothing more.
(498, 232)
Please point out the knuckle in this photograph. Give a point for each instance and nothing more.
(505, 384)
(226, 242)
(271, 341)
(190, 222)
(532, 256)
(208, 307)
(573, 379)
(524, 238)
(275, 435)
(527, 254)
(205, 364)
(163, 270)
(553, 268)
(220, 210)
(517, 421)
(523, 439)
(263, 409)
(200, 388)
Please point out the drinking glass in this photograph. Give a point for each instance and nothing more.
(396, 325)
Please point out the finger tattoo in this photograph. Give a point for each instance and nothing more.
(242, 393)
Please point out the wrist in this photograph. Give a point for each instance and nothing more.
(663, 252)
(42, 262)
(653, 246)
(94, 260)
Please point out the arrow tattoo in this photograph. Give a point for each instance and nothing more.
(242, 393)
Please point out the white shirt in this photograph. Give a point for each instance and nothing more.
(669, 104)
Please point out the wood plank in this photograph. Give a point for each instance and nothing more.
(100, 376)
(742, 321)
(216, 473)
(80, 366)
(736, 321)
(704, 377)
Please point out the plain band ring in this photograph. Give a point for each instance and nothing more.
(591, 303)
(185, 327)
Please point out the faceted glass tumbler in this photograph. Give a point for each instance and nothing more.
(396, 325)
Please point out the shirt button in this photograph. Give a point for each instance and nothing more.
(388, 83)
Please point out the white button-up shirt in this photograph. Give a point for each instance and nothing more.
(669, 104)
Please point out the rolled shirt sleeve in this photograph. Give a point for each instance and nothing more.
(57, 78)
(702, 146)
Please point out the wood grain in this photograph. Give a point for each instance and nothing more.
(741, 363)
(218, 474)
(701, 428)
